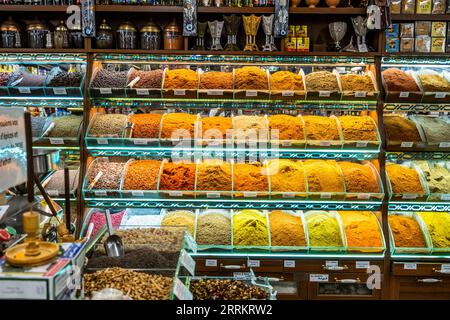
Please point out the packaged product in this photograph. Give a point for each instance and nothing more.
(392, 45)
(407, 30)
(438, 28)
(393, 30)
(408, 6)
(438, 45)
(424, 6)
(407, 45)
(438, 7)
(423, 44)
(395, 6)
(423, 28)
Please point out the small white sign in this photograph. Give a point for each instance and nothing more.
(211, 263)
(214, 93)
(318, 277)
(142, 92)
(289, 195)
(360, 94)
(287, 93)
(59, 91)
(253, 263)
(445, 197)
(24, 90)
(363, 196)
(362, 264)
(404, 94)
(181, 291)
(325, 195)
(102, 141)
(289, 263)
(286, 143)
(410, 266)
(100, 193)
(406, 144)
(251, 93)
(58, 141)
(361, 144)
(19, 289)
(325, 143)
(440, 95)
(175, 193)
(137, 193)
(445, 267)
(324, 94)
(332, 263)
(213, 195)
(53, 193)
(250, 194)
(179, 92)
(409, 196)
(444, 145)
(105, 90)
(140, 141)
(3, 210)
(188, 262)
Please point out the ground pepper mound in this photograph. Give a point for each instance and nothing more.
(321, 128)
(286, 80)
(403, 179)
(214, 175)
(323, 231)
(216, 127)
(287, 175)
(216, 80)
(322, 81)
(250, 229)
(400, 129)
(142, 175)
(286, 229)
(357, 128)
(399, 81)
(146, 125)
(357, 82)
(438, 225)
(180, 79)
(250, 177)
(361, 229)
(251, 78)
(289, 127)
(324, 176)
(184, 123)
(406, 232)
(213, 229)
(177, 176)
(358, 178)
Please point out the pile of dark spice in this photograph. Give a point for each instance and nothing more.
(66, 79)
(148, 79)
(28, 79)
(214, 289)
(110, 79)
(4, 77)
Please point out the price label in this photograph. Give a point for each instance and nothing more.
(362, 264)
(251, 93)
(251, 194)
(105, 90)
(325, 195)
(102, 141)
(56, 141)
(211, 263)
(318, 277)
(288, 195)
(142, 92)
(24, 90)
(286, 143)
(289, 263)
(363, 196)
(444, 145)
(332, 263)
(181, 291)
(53, 193)
(100, 193)
(445, 267)
(325, 143)
(360, 94)
(324, 94)
(60, 91)
(253, 263)
(213, 195)
(287, 93)
(137, 193)
(179, 92)
(175, 193)
(214, 93)
(361, 144)
(440, 95)
(409, 196)
(140, 141)
(406, 144)
(410, 266)
(445, 197)
(404, 94)
(188, 262)
(242, 275)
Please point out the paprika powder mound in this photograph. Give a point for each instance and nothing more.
(287, 175)
(250, 177)
(358, 178)
(142, 175)
(216, 80)
(250, 228)
(180, 79)
(438, 225)
(289, 127)
(183, 123)
(177, 176)
(323, 176)
(214, 175)
(146, 125)
(286, 229)
(404, 179)
(406, 232)
(361, 229)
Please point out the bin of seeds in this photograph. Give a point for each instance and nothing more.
(359, 87)
(106, 83)
(251, 82)
(406, 182)
(435, 85)
(213, 229)
(145, 129)
(180, 83)
(103, 178)
(140, 178)
(401, 85)
(25, 83)
(323, 85)
(107, 125)
(177, 179)
(144, 83)
(64, 130)
(65, 84)
(287, 85)
(55, 186)
(215, 85)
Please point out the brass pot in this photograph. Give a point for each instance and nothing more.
(37, 32)
(126, 36)
(150, 35)
(10, 32)
(173, 38)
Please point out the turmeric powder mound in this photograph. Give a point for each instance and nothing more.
(180, 79)
(321, 128)
(251, 78)
(250, 229)
(146, 125)
(400, 129)
(357, 128)
(286, 80)
(250, 177)
(323, 230)
(323, 176)
(286, 229)
(406, 232)
(214, 175)
(177, 176)
(176, 125)
(289, 127)
(403, 179)
(357, 82)
(216, 127)
(361, 229)
(216, 80)
(180, 218)
(142, 175)
(358, 178)
(287, 175)
(321, 81)
(438, 225)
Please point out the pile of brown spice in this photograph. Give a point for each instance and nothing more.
(358, 178)
(289, 127)
(180, 79)
(176, 125)
(214, 175)
(286, 80)
(251, 78)
(250, 177)
(434, 83)
(403, 179)
(177, 176)
(147, 79)
(146, 125)
(358, 128)
(321, 81)
(216, 80)
(213, 228)
(400, 129)
(142, 175)
(399, 81)
(220, 289)
(406, 232)
(321, 128)
(286, 229)
(357, 82)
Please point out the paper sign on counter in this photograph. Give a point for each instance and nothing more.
(318, 277)
(410, 266)
(289, 263)
(362, 264)
(211, 263)
(253, 263)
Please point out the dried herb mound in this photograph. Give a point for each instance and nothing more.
(226, 290)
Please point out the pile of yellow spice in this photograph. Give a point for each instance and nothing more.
(286, 80)
(250, 228)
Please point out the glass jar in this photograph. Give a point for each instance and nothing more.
(105, 36)
(150, 36)
(37, 32)
(76, 37)
(126, 36)
(10, 34)
(173, 38)
(61, 36)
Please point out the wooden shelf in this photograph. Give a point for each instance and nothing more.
(22, 7)
(132, 8)
(418, 54)
(31, 50)
(331, 11)
(425, 17)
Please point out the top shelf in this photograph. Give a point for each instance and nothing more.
(419, 17)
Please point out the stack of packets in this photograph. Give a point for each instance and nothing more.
(419, 36)
(419, 6)
(298, 39)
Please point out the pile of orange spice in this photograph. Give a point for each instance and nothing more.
(177, 176)
(250, 177)
(321, 128)
(357, 128)
(403, 179)
(323, 176)
(251, 78)
(406, 232)
(289, 127)
(358, 178)
(183, 123)
(361, 229)
(180, 79)
(146, 125)
(142, 175)
(286, 229)
(286, 80)
(216, 80)
(213, 127)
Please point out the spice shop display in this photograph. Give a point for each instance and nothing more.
(55, 186)
(362, 231)
(226, 289)
(250, 179)
(250, 229)
(141, 175)
(405, 182)
(324, 231)
(359, 178)
(401, 132)
(10, 34)
(437, 224)
(437, 175)
(287, 129)
(180, 218)
(213, 228)
(146, 125)
(287, 178)
(407, 232)
(111, 125)
(214, 176)
(103, 174)
(287, 230)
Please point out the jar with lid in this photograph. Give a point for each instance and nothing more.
(10, 34)
(105, 36)
(37, 32)
(150, 36)
(76, 37)
(173, 38)
(126, 36)
(61, 36)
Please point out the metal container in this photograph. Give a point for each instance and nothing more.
(150, 35)
(105, 36)
(126, 36)
(76, 37)
(10, 32)
(173, 38)
(61, 36)
(43, 161)
(37, 32)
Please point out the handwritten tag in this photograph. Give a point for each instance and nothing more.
(289, 263)
(179, 92)
(288, 195)
(210, 263)
(325, 195)
(363, 196)
(142, 92)
(286, 143)
(175, 193)
(440, 95)
(404, 94)
(318, 277)
(140, 141)
(24, 90)
(250, 194)
(409, 196)
(406, 144)
(325, 143)
(105, 90)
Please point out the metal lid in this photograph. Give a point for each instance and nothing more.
(150, 27)
(127, 26)
(9, 25)
(172, 26)
(36, 25)
(61, 27)
(105, 26)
